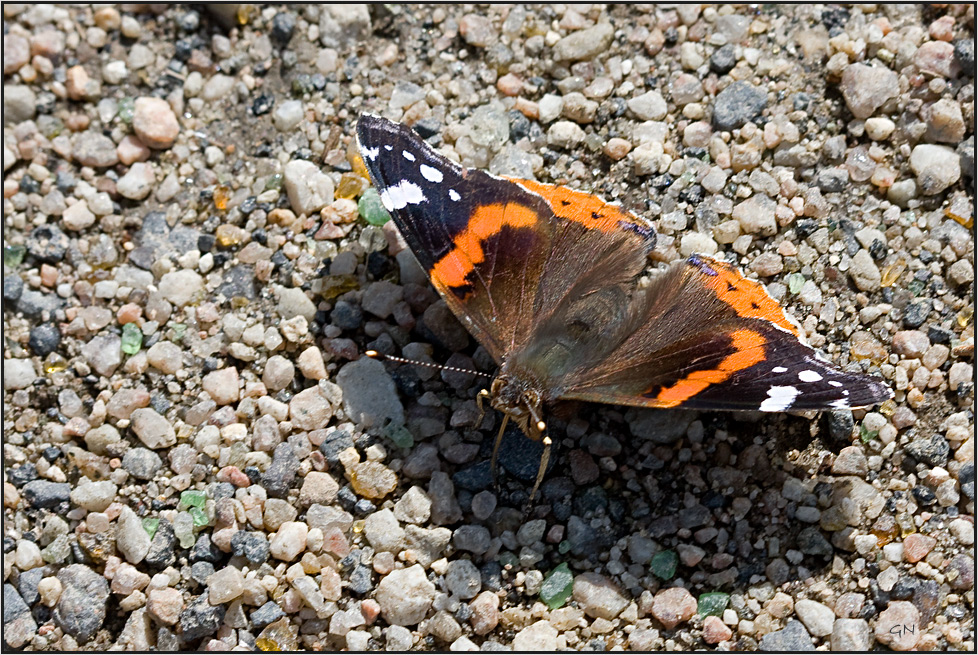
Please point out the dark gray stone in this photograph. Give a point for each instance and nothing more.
(80, 611)
(253, 546)
(141, 463)
(46, 494)
(932, 450)
(737, 104)
(48, 244)
(161, 550)
(280, 474)
(267, 613)
(793, 637)
(19, 627)
(200, 619)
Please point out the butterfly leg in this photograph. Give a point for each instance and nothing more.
(480, 398)
(544, 461)
(495, 453)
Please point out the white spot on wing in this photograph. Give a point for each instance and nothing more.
(453, 194)
(431, 174)
(779, 369)
(841, 403)
(408, 156)
(809, 376)
(835, 383)
(388, 148)
(371, 153)
(401, 195)
(779, 399)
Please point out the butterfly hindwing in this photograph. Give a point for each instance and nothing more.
(708, 338)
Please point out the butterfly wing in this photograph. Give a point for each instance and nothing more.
(495, 249)
(705, 337)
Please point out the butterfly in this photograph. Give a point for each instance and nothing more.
(549, 280)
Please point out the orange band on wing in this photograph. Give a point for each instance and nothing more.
(487, 221)
(748, 347)
(746, 297)
(590, 211)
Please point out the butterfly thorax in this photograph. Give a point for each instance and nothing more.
(519, 399)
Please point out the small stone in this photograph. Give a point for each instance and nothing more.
(138, 181)
(225, 585)
(45, 494)
(866, 88)
(756, 215)
(318, 487)
(890, 626)
(936, 57)
(369, 395)
(253, 546)
(19, 626)
(485, 613)
(649, 106)
(715, 630)
(584, 44)
(278, 374)
(78, 216)
(19, 103)
(864, 272)
(181, 287)
(141, 463)
(405, 595)
(792, 638)
(816, 617)
(280, 474)
(94, 496)
(287, 115)
(308, 188)
(200, 619)
(131, 539)
(564, 134)
(222, 385)
(154, 122)
(850, 635)
(164, 605)
(850, 461)
(673, 606)
(936, 167)
(477, 30)
(82, 606)
(598, 596)
(289, 541)
(152, 429)
(18, 374)
(384, 532)
(372, 480)
(539, 636)
(413, 507)
(917, 546)
(463, 579)
(737, 104)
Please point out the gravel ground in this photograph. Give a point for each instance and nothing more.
(197, 456)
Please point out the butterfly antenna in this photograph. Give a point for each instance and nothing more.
(401, 360)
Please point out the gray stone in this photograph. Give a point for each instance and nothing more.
(81, 609)
(141, 463)
(792, 638)
(19, 626)
(405, 595)
(584, 44)
(849, 635)
(737, 104)
(369, 395)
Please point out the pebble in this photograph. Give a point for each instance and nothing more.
(936, 167)
(131, 539)
(463, 579)
(537, 637)
(851, 460)
(850, 635)
(737, 104)
(164, 605)
(138, 182)
(936, 57)
(584, 44)
(225, 585)
(201, 619)
(889, 626)
(405, 595)
(141, 463)
(45, 494)
(308, 188)
(152, 429)
(81, 608)
(672, 606)
(756, 215)
(413, 507)
(154, 123)
(181, 287)
(715, 630)
(792, 637)
(649, 106)
(222, 385)
(384, 532)
(564, 134)
(289, 541)
(866, 88)
(18, 374)
(369, 395)
(94, 496)
(287, 115)
(864, 272)
(917, 546)
(816, 617)
(477, 30)
(278, 477)
(19, 626)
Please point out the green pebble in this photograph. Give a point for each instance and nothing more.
(564, 547)
(916, 287)
(399, 435)
(57, 551)
(13, 255)
(126, 109)
(507, 558)
(192, 498)
(664, 564)
(557, 586)
(867, 435)
(151, 525)
(132, 338)
(178, 330)
(372, 209)
(712, 603)
(274, 181)
(795, 282)
(199, 516)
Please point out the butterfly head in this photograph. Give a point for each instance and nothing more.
(521, 402)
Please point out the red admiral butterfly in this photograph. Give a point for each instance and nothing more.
(547, 279)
